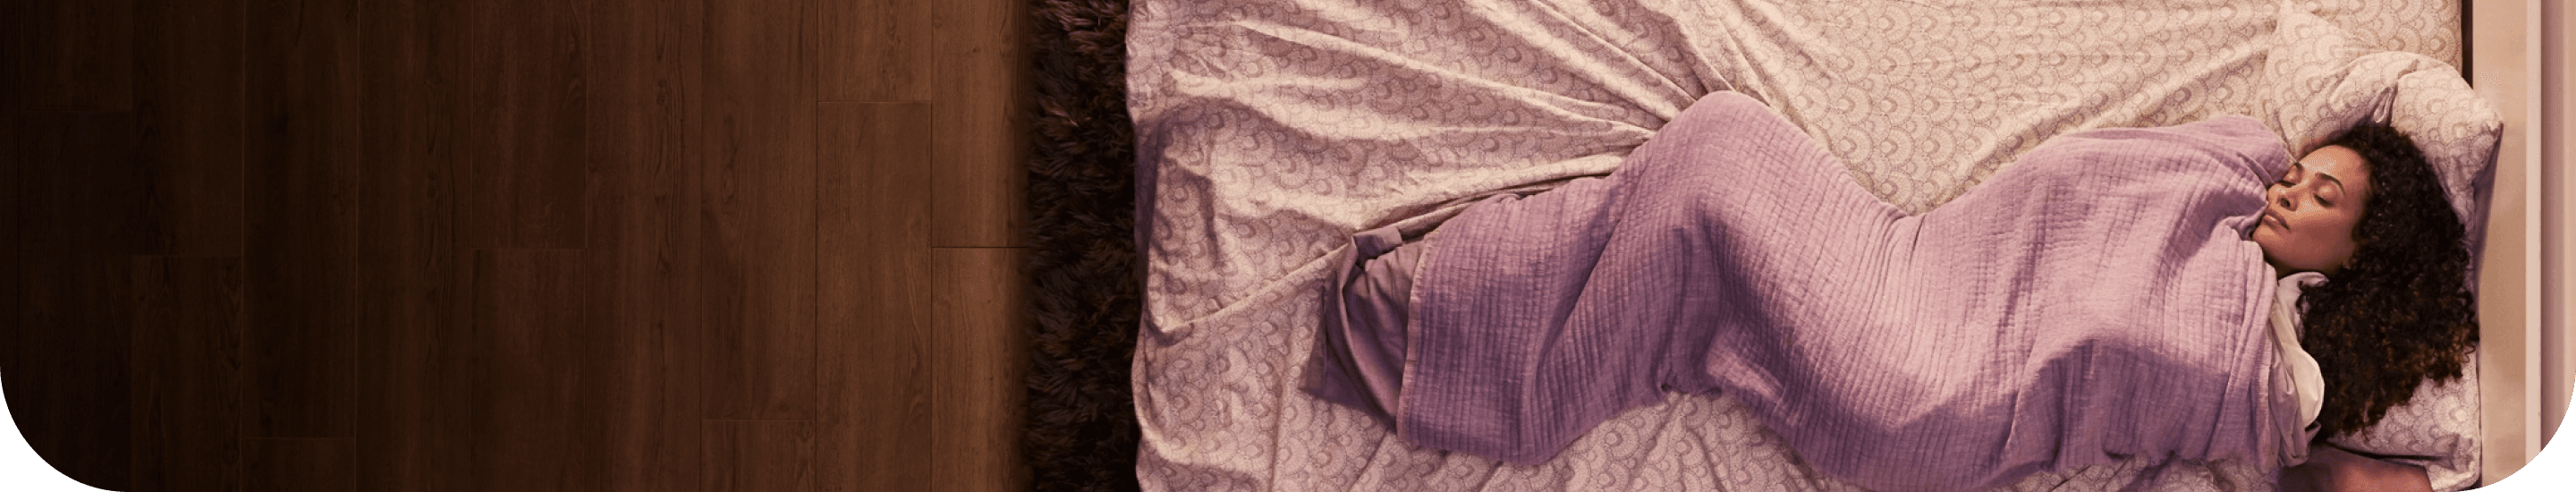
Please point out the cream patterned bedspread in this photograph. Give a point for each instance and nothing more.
(1270, 130)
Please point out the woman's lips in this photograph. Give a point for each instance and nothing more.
(2275, 221)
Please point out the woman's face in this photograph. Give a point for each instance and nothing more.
(2308, 220)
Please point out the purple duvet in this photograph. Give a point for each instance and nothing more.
(2093, 302)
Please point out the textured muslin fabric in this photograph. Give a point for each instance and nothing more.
(1375, 303)
(1361, 360)
(2096, 302)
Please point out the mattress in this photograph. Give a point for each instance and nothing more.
(1269, 131)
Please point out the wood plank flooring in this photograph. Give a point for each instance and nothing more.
(301, 158)
(876, 335)
(758, 246)
(186, 421)
(76, 232)
(412, 245)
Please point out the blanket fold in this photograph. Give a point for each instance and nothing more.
(2093, 302)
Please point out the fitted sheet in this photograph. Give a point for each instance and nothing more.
(1269, 131)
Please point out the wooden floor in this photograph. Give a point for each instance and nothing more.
(423, 245)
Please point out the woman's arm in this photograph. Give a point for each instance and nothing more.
(2332, 469)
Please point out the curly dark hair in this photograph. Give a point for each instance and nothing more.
(2401, 310)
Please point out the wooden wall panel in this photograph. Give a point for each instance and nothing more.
(875, 50)
(296, 465)
(981, 189)
(413, 368)
(188, 121)
(759, 456)
(641, 249)
(301, 161)
(187, 374)
(874, 321)
(759, 206)
(979, 346)
(67, 56)
(80, 220)
(522, 90)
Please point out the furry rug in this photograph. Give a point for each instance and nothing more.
(1086, 291)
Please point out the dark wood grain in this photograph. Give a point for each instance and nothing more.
(759, 456)
(67, 56)
(980, 187)
(302, 156)
(980, 364)
(414, 369)
(874, 318)
(296, 465)
(81, 219)
(522, 92)
(188, 122)
(728, 256)
(875, 50)
(15, 216)
(640, 250)
(759, 206)
(187, 374)
(66, 357)
(530, 382)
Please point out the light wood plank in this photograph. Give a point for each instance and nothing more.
(530, 381)
(876, 50)
(412, 432)
(187, 374)
(188, 118)
(302, 155)
(523, 94)
(759, 206)
(81, 219)
(2557, 231)
(875, 312)
(296, 465)
(759, 456)
(2508, 308)
(979, 367)
(67, 56)
(640, 250)
(979, 185)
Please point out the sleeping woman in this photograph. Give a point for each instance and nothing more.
(2188, 292)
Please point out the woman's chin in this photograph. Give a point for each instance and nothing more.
(2279, 269)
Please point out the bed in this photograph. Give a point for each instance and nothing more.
(1266, 132)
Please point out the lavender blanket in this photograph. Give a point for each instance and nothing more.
(2093, 302)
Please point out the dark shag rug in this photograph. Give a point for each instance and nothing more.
(1086, 290)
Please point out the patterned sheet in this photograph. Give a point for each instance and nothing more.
(1270, 130)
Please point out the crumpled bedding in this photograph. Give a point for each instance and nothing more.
(1269, 131)
(2095, 302)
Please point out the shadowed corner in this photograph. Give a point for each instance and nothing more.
(24, 470)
